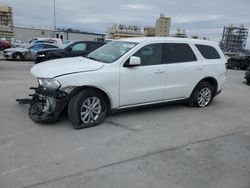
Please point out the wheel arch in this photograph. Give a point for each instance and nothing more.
(210, 80)
(100, 90)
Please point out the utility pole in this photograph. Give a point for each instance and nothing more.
(54, 15)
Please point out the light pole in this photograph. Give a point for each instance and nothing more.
(54, 15)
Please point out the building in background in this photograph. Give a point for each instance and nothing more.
(149, 31)
(180, 33)
(118, 31)
(6, 23)
(163, 25)
(234, 38)
(23, 34)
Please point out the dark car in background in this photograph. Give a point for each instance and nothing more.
(80, 48)
(247, 75)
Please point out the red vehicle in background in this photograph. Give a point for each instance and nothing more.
(4, 45)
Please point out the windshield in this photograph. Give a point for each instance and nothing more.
(112, 51)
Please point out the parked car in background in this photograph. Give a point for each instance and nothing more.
(128, 73)
(247, 75)
(239, 61)
(54, 41)
(80, 48)
(26, 53)
(4, 45)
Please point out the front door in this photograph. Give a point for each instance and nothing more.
(144, 83)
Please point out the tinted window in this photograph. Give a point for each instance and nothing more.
(36, 47)
(208, 52)
(49, 46)
(79, 47)
(177, 53)
(150, 54)
(93, 46)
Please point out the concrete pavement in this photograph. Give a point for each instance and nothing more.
(168, 146)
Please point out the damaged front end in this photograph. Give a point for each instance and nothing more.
(48, 101)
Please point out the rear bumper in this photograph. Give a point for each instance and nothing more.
(39, 59)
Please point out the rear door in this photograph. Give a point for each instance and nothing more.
(183, 70)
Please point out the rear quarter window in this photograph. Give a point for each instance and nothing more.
(208, 52)
(179, 53)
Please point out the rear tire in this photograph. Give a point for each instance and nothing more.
(87, 108)
(202, 95)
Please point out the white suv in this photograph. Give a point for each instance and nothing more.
(128, 73)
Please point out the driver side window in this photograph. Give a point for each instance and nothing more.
(36, 47)
(79, 47)
(150, 54)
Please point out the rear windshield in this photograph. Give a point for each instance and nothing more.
(208, 52)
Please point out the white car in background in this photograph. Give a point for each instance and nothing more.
(26, 53)
(55, 41)
(128, 73)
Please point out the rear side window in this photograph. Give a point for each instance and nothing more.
(179, 53)
(49, 46)
(208, 52)
(93, 46)
(79, 47)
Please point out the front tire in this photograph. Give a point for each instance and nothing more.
(17, 57)
(248, 81)
(202, 95)
(87, 108)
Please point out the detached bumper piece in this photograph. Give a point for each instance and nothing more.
(45, 105)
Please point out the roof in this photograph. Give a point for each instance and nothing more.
(168, 39)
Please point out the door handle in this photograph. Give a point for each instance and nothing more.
(159, 71)
(198, 69)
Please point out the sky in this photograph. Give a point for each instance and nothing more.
(197, 17)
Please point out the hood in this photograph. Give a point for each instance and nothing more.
(16, 50)
(58, 67)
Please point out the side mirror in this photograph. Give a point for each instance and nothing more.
(133, 61)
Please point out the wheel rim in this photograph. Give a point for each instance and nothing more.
(17, 57)
(204, 97)
(91, 110)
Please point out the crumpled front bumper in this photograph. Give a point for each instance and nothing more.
(46, 105)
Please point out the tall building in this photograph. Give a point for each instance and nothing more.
(123, 31)
(234, 38)
(163, 25)
(149, 31)
(6, 22)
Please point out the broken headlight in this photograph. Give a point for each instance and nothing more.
(49, 83)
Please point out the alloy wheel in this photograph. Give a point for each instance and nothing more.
(204, 97)
(91, 110)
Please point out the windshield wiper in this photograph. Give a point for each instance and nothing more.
(92, 58)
